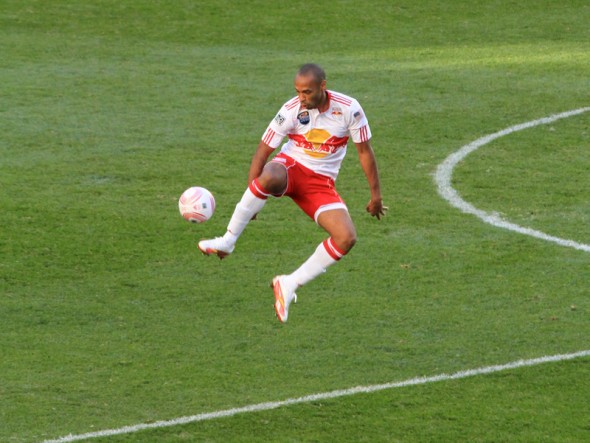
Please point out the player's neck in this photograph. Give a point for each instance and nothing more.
(325, 104)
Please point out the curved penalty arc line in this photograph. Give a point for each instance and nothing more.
(444, 173)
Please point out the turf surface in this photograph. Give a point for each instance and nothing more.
(110, 317)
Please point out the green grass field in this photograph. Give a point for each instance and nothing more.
(109, 315)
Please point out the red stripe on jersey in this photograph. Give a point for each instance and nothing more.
(268, 136)
(333, 251)
(364, 133)
(333, 143)
(292, 103)
(340, 99)
(301, 141)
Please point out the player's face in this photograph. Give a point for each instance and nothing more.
(311, 93)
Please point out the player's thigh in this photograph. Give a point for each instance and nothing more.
(339, 225)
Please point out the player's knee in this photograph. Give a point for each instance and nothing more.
(351, 241)
(347, 241)
(273, 178)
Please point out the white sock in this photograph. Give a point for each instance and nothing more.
(246, 208)
(325, 255)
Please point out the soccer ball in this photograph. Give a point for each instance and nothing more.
(196, 204)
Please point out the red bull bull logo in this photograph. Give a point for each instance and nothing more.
(318, 143)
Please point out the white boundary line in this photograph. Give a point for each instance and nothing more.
(444, 173)
(321, 396)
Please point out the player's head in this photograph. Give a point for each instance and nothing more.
(316, 71)
(310, 84)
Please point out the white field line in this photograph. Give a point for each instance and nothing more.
(321, 396)
(444, 173)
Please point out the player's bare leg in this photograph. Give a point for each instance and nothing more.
(339, 225)
(273, 180)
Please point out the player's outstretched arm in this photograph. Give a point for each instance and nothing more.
(369, 164)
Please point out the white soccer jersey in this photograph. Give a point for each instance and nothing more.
(316, 139)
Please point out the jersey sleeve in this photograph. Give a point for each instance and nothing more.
(359, 125)
(277, 129)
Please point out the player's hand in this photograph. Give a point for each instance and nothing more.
(376, 208)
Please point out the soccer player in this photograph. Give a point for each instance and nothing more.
(318, 124)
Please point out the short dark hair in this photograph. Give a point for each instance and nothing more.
(316, 71)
